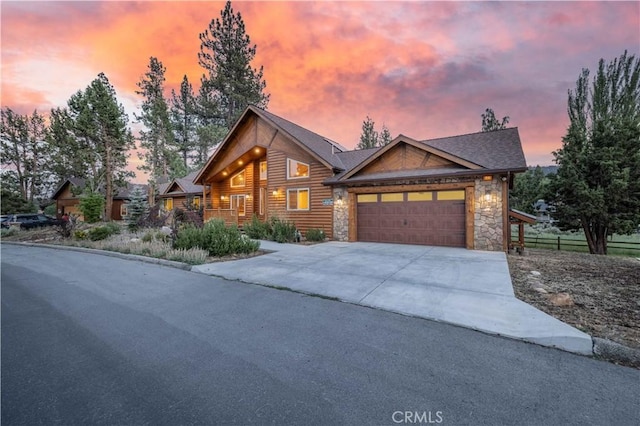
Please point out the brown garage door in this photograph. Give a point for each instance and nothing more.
(431, 218)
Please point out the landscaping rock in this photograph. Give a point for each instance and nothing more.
(561, 299)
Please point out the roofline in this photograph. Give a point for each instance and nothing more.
(465, 173)
(415, 143)
(468, 134)
(257, 111)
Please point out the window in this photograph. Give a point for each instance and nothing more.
(263, 170)
(196, 202)
(451, 195)
(298, 199)
(419, 196)
(123, 210)
(297, 169)
(238, 203)
(168, 203)
(391, 198)
(237, 181)
(367, 198)
(263, 200)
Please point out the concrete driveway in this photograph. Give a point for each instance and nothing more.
(463, 287)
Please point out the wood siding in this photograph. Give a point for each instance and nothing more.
(406, 157)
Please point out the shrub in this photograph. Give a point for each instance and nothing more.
(257, 229)
(91, 205)
(137, 207)
(216, 238)
(99, 233)
(8, 232)
(113, 227)
(282, 231)
(148, 237)
(314, 234)
(80, 235)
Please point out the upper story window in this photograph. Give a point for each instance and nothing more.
(237, 180)
(263, 170)
(297, 169)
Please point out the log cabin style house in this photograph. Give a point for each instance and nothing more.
(67, 198)
(447, 192)
(181, 193)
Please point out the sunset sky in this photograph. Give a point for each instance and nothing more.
(425, 69)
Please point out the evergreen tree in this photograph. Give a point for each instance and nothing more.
(230, 83)
(23, 148)
(528, 188)
(137, 206)
(385, 136)
(100, 127)
(184, 121)
(157, 140)
(490, 123)
(369, 136)
(597, 188)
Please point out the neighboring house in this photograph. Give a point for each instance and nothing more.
(67, 199)
(543, 211)
(448, 192)
(181, 192)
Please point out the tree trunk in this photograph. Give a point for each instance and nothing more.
(596, 236)
(108, 185)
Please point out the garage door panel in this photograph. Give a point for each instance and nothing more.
(432, 222)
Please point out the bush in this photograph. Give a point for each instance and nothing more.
(80, 235)
(216, 238)
(148, 237)
(8, 232)
(314, 234)
(282, 231)
(256, 229)
(113, 227)
(99, 233)
(91, 205)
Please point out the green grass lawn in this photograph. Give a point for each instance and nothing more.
(621, 245)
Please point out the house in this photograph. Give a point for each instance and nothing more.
(448, 192)
(181, 192)
(543, 212)
(67, 198)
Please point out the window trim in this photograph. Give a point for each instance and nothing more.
(166, 201)
(262, 202)
(289, 177)
(244, 202)
(123, 210)
(244, 179)
(265, 170)
(297, 191)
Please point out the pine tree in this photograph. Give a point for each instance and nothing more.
(23, 148)
(184, 121)
(230, 83)
(384, 137)
(490, 123)
(99, 126)
(157, 139)
(137, 206)
(369, 136)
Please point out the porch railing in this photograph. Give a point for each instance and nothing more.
(230, 216)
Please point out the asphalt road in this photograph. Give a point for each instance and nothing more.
(89, 339)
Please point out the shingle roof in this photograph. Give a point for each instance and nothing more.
(323, 147)
(185, 183)
(496, 150)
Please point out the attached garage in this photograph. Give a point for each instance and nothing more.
(430, 217)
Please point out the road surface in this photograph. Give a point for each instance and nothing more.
(89, 339)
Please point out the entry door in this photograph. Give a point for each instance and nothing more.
(238, 203)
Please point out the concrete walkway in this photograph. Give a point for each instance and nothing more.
(463, 287)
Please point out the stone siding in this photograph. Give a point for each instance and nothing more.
(340, 214)
(488, 215)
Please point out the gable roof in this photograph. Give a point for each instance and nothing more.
(487, 152)
(77, 182)
(324, 149)
(496, 150)
(184, 184)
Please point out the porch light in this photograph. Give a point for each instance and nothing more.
(487, 177)
(240, 162)
(275, 192)
(222, 197)
(248, 196)
(224, 173)
(257, 150)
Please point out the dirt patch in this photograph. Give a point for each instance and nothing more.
(599, 295)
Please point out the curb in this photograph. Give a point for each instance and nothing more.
(145, 259)
(615, 352)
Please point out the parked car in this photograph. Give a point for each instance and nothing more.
(33, 220)
(4, 221)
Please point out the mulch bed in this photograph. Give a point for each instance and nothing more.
(599, 295)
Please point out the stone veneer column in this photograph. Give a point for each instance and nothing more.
(488, 215)
(340, 214)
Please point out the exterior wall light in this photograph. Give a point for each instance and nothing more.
(487, 177)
